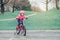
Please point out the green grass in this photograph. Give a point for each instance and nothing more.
(46, 20)
(49, 20)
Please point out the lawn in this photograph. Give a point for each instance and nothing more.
(49, 20)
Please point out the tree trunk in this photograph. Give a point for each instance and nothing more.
(57, 3)
(2, 7)
(2, 3)
(46, 5)
(13, 9)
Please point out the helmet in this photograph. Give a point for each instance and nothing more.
(21, 12)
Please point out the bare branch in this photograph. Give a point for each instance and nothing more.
(49, 1)
(5, 1)
(45, 2)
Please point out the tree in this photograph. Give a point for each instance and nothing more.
(13, 5)
(57, 3)
(24, 4)
(21, 4)
(2, 3)
(17, 5)
(47, 2)
(47, 5)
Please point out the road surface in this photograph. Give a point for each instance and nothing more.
(31, 35)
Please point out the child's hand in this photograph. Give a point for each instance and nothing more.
(26, 17)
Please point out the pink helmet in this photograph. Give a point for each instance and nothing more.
(22, 12)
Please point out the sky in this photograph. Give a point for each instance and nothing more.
(41, 4)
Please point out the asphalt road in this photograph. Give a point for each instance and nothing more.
(31, 35)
